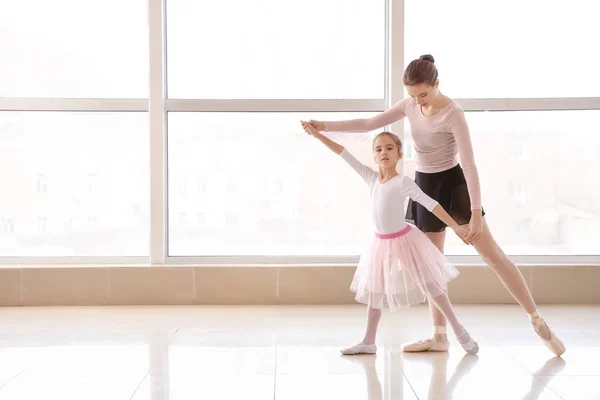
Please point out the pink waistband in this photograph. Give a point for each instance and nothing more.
(393, 235)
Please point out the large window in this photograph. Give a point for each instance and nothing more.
(74, 184)
(170, 129)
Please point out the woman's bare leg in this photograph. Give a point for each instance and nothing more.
(507, 271)
(513, 280)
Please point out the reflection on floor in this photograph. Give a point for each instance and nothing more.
(280, 352)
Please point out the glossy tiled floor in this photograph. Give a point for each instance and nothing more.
(286, 353)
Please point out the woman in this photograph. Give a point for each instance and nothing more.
(440, 133)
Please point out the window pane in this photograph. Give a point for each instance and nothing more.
(516, 48)
(539, 177)
(77, 185)
(271, 49)
(74, 48)
(256, 184)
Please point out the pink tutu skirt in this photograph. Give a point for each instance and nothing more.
(400, 270)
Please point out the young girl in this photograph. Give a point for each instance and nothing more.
(403, 267)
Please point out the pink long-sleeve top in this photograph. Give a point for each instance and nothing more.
(438, 139)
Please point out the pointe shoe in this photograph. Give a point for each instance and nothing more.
(470, 345)
(429, 344)
(554, 344)
(359, 348)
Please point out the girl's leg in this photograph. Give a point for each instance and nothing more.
(438, 340)
(367, 345)
(513, 280)
(442, 302)
(373, 318)
(437, 317)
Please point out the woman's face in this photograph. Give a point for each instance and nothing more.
(423, 93)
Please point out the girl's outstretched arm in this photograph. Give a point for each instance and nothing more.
(461, 231)
(434, 207)
(368, 175)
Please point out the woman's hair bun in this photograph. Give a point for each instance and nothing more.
(427, 57)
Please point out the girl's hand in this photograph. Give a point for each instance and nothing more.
(333, 146)
(309, 128)
(319, 126)
(462, 231)
(475, 227)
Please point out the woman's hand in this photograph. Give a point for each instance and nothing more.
(475, 227)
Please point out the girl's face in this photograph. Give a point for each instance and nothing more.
(386, 152)
(423, 93)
